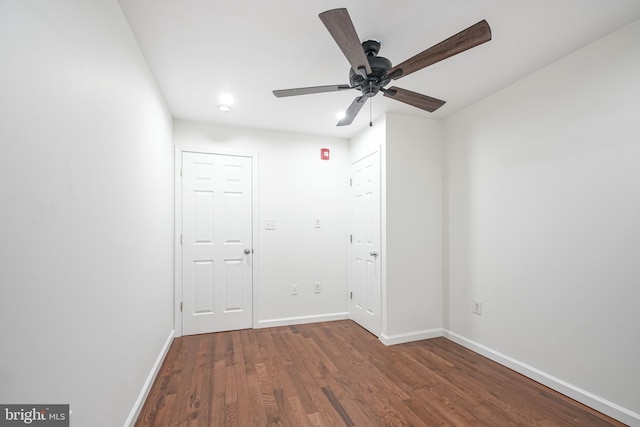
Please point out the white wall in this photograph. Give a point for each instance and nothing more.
(413, 226)
(86, 221)
(543, 220)
(294, 187)
(368, 140)
(411, 223)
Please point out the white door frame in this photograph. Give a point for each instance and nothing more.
(177, 288)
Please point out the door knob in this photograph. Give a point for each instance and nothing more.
(247, 251)
(373, 253)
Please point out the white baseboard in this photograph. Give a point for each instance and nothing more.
(599, 404)
(135, 412)
(287, 321)
(410, 336)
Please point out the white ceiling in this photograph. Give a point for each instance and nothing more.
(199, 49)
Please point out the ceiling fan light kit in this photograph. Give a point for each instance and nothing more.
(371, 73)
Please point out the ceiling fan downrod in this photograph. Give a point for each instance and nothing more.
(370, 112)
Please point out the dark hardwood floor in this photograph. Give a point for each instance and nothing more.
(337, 374)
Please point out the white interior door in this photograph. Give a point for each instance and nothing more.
(216, 243)
(365, 244)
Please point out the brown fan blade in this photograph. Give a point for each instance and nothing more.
(352, 111)
(310, 90)
(419, 100)
(344, 33)
(466, 39)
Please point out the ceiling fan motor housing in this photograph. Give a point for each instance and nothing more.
(371, 85)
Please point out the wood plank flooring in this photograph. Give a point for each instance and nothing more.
(337, 374)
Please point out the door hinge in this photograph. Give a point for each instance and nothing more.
(180, 306)
(351, 295)
(350, 238)
(350, 182)
(181, 239)
(180, 171)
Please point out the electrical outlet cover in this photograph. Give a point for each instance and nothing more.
(477, 307)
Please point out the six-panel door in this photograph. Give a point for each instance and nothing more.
(365, 244)
(216, 243)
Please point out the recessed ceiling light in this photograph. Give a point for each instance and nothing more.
(340, 115)
(226, 99)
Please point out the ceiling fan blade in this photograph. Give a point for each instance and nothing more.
(423, 102)
(310, 90)
(352, 111)
(344, 33)
(466, 39)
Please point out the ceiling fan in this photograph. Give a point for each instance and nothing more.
(371, 73)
